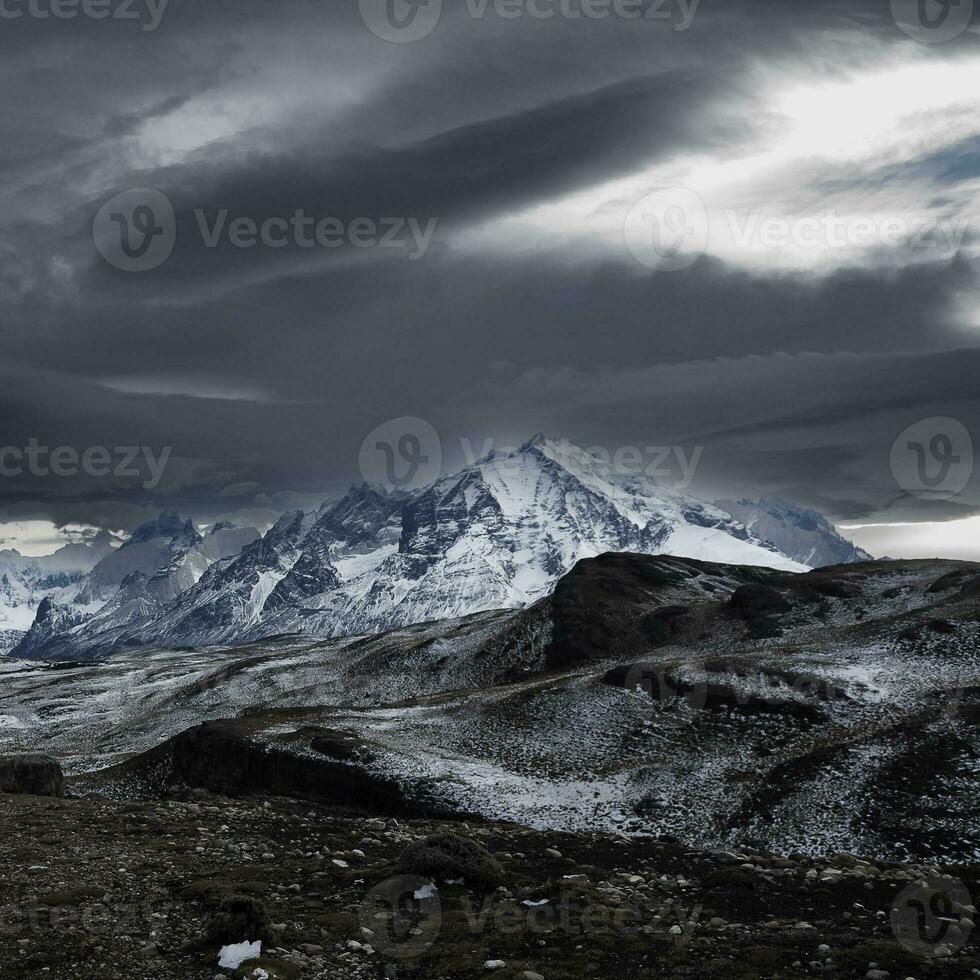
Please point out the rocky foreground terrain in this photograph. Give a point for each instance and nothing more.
(833, 711)
(155, 889)
(734, 771)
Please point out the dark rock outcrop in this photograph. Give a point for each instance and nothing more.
(240, 918)
(755, 601)
(223, 757)
(38, 775)
(449, 856)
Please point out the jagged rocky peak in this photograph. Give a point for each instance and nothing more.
(168, 525)
(52, 624)
(288, 524)
(46, 610)
(134, 582)
(287, 531)
(361, 513)
(224, 540)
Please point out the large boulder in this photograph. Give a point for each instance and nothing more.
(38, 775)
(449, 856)
(240, 919)
(756, 600)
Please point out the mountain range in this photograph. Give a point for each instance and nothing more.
(497, 535)
(26, 581)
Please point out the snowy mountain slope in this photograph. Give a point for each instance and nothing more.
(129, 586)
(26, 582)
(798, 532)
(852, 726)
(500, 534)
(229, 599)
(497, 535)
(153, 546)
(291, 565)
(23, 586)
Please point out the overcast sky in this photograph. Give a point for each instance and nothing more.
(743, 229)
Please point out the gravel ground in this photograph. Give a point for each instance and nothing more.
(96, 888)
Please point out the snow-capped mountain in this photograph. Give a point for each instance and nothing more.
(497, 535)
(161, 560)
(23, 587)
(803, 534)
(500, 533)
(26, 582)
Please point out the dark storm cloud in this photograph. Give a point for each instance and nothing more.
(451, 316)
(263, 369)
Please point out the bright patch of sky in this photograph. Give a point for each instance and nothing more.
(837, 172)
(33, 539)
(948, 539)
